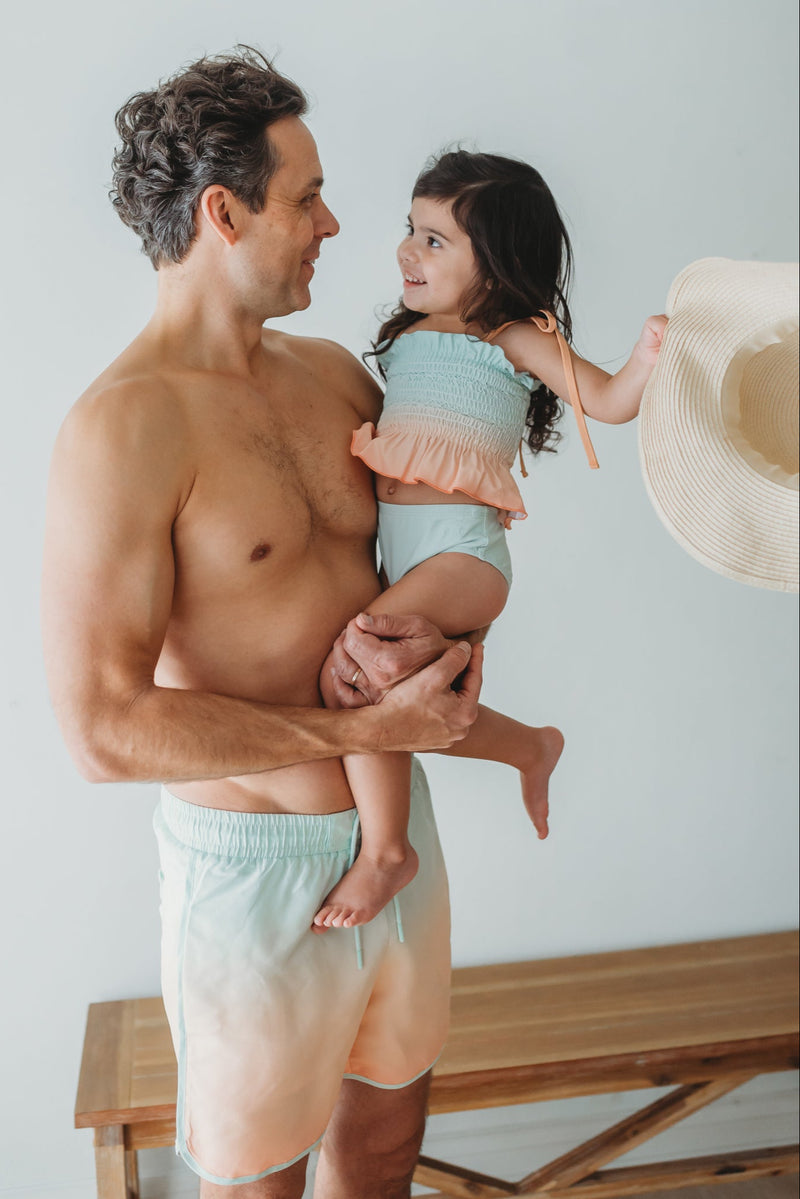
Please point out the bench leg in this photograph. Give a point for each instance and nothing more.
(132, 1173)
(116, 1167)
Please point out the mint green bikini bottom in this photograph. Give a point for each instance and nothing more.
(411, 533)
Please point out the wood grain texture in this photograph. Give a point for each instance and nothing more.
(109, 1160)
(104, 1083)
(601, 1005)
(618, 1072)
(757, 1188)
(713, 1172)
(629, 1133)
(460, 1182)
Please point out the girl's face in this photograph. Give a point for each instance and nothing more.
(436, 260)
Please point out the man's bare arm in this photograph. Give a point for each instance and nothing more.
(117, 486)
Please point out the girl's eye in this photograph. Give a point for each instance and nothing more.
(434, 243)
(409, 229)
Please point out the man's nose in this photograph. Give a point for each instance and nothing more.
(326, 223)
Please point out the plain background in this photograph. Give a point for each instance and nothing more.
(667, 133)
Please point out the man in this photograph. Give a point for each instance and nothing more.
(209, 535)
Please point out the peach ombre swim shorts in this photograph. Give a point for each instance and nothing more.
(268, 1017)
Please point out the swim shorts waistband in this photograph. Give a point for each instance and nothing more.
(256, 835)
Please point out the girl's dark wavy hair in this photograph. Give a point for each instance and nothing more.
(206, 125)
(523, 254)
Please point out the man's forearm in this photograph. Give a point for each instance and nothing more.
(166, 734)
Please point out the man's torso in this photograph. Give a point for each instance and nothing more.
(273, 548)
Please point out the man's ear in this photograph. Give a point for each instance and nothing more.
(222, 212)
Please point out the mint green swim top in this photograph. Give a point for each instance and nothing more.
(453, 417)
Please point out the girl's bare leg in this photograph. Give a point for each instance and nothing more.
(455, 592)
(533, 751)
(381, 787)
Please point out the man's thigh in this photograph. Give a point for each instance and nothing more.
(373, 1140)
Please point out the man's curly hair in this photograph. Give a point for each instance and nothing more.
(206, 125)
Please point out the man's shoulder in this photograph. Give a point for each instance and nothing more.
(126, 390)
(310, 349)
(128, 416)
(340, 369)
(129, 393)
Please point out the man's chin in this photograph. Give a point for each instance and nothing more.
(295, 303)
(299, 301)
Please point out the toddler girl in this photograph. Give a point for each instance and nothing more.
(475, 357)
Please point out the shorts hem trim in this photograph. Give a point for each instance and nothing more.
(207, 1176)
(393, 1086)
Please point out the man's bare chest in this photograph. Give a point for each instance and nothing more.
(273, 484)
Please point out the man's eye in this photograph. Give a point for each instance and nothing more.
(310, 198)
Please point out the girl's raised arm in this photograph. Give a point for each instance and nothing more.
(613, 399)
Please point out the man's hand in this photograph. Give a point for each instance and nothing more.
(374, 653)
(424, 712)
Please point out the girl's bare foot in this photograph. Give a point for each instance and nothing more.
(366, 889)
(546, 747)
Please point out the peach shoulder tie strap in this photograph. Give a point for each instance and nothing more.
(547, 324)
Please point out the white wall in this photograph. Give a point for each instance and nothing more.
(668, 132)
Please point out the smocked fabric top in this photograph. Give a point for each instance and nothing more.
(453, 417)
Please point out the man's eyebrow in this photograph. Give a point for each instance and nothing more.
(315, 183)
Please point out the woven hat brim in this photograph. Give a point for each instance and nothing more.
(727, 514)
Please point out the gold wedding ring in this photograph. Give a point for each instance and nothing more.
(354, 679)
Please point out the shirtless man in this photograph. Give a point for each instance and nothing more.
(209, 535)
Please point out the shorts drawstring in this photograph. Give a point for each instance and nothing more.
(398, 919)
(351, 859)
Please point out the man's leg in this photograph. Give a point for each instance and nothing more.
(284, 1184)
(373, 1141)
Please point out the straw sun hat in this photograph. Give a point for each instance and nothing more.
(718, 436)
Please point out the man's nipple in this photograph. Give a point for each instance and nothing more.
(260, 552)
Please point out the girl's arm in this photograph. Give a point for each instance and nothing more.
(613, 399)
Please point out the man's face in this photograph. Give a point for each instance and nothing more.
(283, 240)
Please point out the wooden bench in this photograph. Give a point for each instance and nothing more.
(703, 1017)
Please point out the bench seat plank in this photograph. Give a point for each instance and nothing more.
(601, 1005)
(104, 1084)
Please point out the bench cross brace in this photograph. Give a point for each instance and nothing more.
(577, 1172)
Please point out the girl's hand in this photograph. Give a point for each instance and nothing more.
(650, 339)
